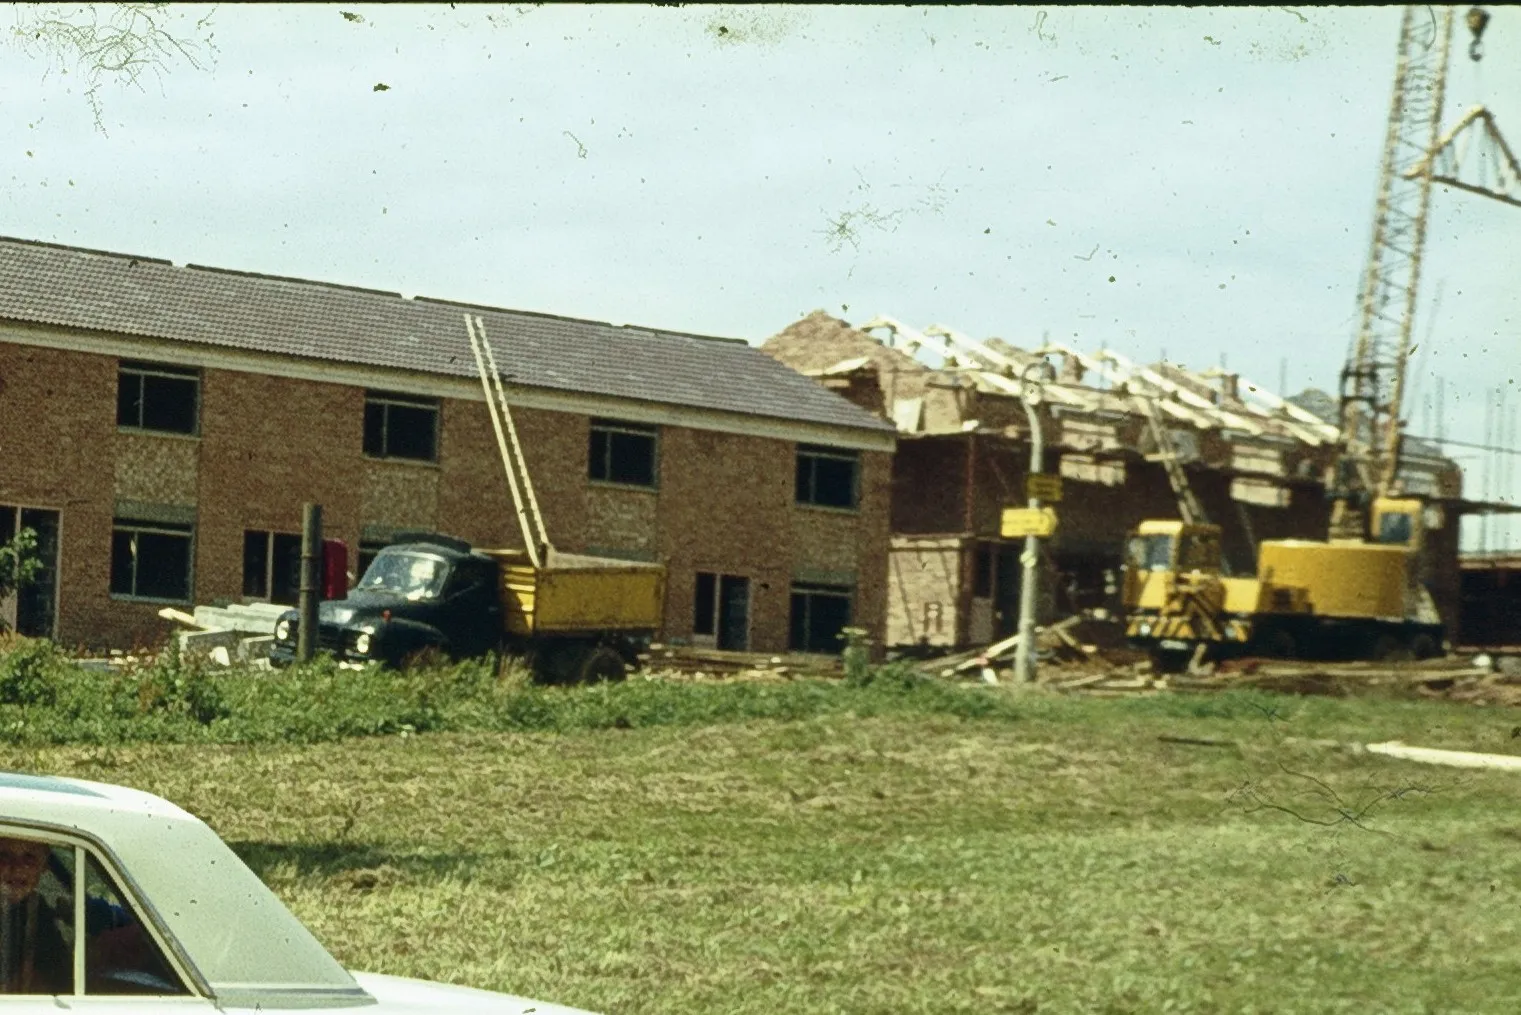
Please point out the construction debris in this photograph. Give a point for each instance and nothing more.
(241, 632)
(695, 663)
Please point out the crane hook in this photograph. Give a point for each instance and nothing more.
(1478, 20)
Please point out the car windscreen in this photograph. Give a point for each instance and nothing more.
(406, 573)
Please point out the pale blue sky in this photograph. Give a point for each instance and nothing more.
(638, 164)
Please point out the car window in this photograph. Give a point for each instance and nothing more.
(121, 957)
(36, 917)
(39, 927)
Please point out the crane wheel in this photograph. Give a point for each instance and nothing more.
(1169, 660)
(1280, 645)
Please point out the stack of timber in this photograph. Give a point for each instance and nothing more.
(686, 661)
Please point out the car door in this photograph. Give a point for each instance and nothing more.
(72, 939)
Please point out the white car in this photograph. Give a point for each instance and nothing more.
(117, 901)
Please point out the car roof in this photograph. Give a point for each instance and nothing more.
(65, 797)
(244, 944)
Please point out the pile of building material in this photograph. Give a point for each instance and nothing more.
(694, 663)
(1080, 645)
(238, 632)
(1480, 681)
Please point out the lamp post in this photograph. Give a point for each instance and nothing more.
(1029, 589)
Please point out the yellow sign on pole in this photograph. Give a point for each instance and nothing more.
(1018, 522)
(1044, 486)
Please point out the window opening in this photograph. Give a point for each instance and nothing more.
(620, 452)
(826, 477)
(722, 610)
(982, 572)
(32, 609)
(400, 426)
(819, 614)
(157, 397)
(151, 560)
(272, 566)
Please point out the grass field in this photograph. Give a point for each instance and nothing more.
(1039, 854)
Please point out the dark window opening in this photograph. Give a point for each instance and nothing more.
(272, 566)
(31, 609)
(705, 612)
(400, 426)
(819, 614)
(165, 399)
(982, 572)
(255, 565)
(826, 477)
(151, 560)
(722, 610)
(1396, 527)
(621, 453)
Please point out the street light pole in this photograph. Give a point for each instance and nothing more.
(1029, 589)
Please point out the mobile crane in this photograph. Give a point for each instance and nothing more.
(1359, 593)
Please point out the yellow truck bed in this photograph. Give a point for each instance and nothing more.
(573, 593)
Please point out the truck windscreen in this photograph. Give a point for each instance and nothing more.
(410, 575)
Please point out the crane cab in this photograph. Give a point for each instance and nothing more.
(1161, 549)
(1398, 521)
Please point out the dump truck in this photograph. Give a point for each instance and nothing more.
(1334, 599)
(574, 617)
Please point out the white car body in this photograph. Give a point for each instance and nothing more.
(227, 936)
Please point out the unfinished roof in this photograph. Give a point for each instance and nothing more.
(120, 294)
(1203, 401)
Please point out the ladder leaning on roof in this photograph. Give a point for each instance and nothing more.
(1189, 507)
(524, 503)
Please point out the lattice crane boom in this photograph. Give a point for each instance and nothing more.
(1373, 380)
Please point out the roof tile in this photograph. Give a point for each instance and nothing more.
(72, 287)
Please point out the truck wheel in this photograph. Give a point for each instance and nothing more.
(1424, 646)
(1389, 649)
(599, 664)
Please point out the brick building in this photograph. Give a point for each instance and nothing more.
(161, 425)
(1254, 461)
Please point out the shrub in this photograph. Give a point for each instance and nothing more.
(30, 671)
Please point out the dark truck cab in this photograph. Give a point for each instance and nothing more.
(435, 592)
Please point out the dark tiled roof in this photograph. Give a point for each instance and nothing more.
(121, 294)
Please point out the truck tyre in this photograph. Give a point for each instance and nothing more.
(1424, 646)
(1389, 649)
(599, 664)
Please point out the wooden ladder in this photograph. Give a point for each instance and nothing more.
(524, 502)
(1189, 507)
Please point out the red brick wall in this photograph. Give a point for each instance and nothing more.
(724, 502)
(57, 414)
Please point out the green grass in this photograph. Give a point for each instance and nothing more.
(888, 848)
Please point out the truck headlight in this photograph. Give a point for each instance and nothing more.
(362, 643)
(282, 629)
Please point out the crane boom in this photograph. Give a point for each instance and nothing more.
(1373, 380)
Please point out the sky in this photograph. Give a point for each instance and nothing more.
(1195, 182)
